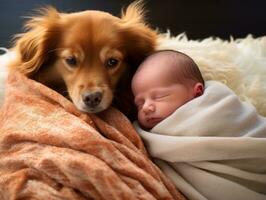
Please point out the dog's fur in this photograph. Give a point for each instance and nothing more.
(88, 52)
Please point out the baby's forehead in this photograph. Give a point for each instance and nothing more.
(160, 62)
(156, 74)
(163, 66)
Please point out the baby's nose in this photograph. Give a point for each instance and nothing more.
(148, 108)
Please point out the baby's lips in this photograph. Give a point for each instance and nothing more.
(153, 120)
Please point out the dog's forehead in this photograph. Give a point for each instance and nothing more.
(91, 28)
(91, 16)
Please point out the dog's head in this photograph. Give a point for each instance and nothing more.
(88, 51)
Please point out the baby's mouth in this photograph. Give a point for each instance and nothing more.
(153, 120)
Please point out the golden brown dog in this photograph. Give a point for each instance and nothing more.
(87, 51)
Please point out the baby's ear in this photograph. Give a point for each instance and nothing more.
(198, 89)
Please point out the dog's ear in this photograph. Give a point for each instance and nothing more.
(139, 39)
(33, 46)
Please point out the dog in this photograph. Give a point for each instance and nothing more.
(85, 54)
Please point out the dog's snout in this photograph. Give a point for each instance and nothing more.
(92, 99)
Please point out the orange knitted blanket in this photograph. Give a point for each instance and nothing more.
(50, 150)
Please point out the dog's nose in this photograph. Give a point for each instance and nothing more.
(92, 99)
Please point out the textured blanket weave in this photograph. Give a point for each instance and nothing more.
(49, 150)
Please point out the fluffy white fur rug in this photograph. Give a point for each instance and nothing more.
(4, 60)
(239, 63)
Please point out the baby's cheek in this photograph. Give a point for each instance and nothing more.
(140, 117)
(167, 109)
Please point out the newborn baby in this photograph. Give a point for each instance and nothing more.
(211, 144)
(163, 82)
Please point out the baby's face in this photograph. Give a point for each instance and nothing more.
(157, 97)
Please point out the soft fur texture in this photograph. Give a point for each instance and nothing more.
(83, 54)
(239, 63)
(51, 150)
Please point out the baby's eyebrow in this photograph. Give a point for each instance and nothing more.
(159, 90)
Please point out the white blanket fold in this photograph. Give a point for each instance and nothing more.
(213, 147)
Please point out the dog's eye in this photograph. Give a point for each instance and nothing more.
(71, 61)
(111, 63)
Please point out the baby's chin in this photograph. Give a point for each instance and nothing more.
(149, 124)
(145, 127)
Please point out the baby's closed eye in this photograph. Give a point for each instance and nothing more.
(160, 96)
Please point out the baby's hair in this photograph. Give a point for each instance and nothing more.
(190, 71)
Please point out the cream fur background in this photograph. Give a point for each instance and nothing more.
(239, 63)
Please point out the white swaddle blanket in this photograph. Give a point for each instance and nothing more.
(213, 147)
